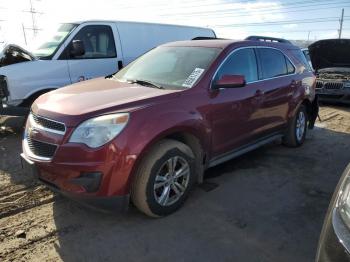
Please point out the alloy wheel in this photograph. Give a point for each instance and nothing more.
(171, 181)
(300, 125)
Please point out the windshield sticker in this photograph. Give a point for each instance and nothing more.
(193, 77)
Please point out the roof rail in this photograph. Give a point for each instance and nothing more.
(204, 38)
(267, 39)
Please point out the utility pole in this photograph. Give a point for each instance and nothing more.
(33, 12)
(308, 36)
(24, 34)
(341, 23)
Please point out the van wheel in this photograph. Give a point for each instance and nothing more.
(163, 179)
(297, 127)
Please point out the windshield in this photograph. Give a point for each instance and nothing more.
(170, 67)
(48, 45)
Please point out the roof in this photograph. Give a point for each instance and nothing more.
(222, 44)
(134, 22)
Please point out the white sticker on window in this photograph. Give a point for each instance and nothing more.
(193, 77)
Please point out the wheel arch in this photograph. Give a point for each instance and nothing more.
(28, 101)
(190, 138)
(312, 110)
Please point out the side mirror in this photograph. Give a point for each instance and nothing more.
(230, 81)
(77, 48)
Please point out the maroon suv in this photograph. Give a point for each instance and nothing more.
(149, 131)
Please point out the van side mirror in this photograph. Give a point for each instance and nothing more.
(77, 48)
(230, 81)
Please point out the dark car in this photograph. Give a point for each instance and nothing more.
(331, 61)
(334, 243)
(149, 131)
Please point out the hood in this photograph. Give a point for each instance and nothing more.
(330, 53)
(13, 54)
(93, 97)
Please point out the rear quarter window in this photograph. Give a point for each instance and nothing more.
(299, 55)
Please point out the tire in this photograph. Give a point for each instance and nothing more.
(297, 128)
(153, 172)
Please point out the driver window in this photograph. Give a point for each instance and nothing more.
(241, 62)
(98, 42)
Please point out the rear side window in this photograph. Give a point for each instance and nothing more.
(98, 42)
(241, 62)
(273, 63)
(302, 58)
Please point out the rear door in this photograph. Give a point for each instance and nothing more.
(101, 57)
(278, 78)
(233, 110)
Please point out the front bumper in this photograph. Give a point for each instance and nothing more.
(9, 110)
(334, 95)
(111, 204)
(5, 108)
(102, 181)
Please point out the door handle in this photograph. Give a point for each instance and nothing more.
(259, 93)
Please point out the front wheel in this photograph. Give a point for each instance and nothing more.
(163, 179)
(297, 127)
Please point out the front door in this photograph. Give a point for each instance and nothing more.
(233, 110)
(100, 58)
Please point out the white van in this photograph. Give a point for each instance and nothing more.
(77, 52)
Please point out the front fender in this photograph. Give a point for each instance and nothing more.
(155, 128)
(150, 131)
(25, 79)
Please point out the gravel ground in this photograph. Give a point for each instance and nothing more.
(267, 205)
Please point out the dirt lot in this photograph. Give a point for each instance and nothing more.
(268, 205)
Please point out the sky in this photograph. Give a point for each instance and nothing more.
(291, 19)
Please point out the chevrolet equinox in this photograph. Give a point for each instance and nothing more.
(148, 132)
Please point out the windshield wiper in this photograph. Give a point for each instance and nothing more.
(144, 83)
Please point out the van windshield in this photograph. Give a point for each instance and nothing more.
(47, 46)
(169, 67)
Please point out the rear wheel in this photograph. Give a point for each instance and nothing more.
(163, 179)
(296, 132)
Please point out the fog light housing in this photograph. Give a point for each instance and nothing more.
(90, 181)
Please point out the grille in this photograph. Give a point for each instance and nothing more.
(3, 87)
(319, 84)
(333, 85)
(50, 124)
(41, 149)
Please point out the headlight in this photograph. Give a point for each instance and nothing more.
(343, 202)
(98, 131)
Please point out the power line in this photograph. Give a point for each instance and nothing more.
(305, 30)
(303, 21)
(256, 9)
(265, 13)
(196, 3)
(202, 3)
